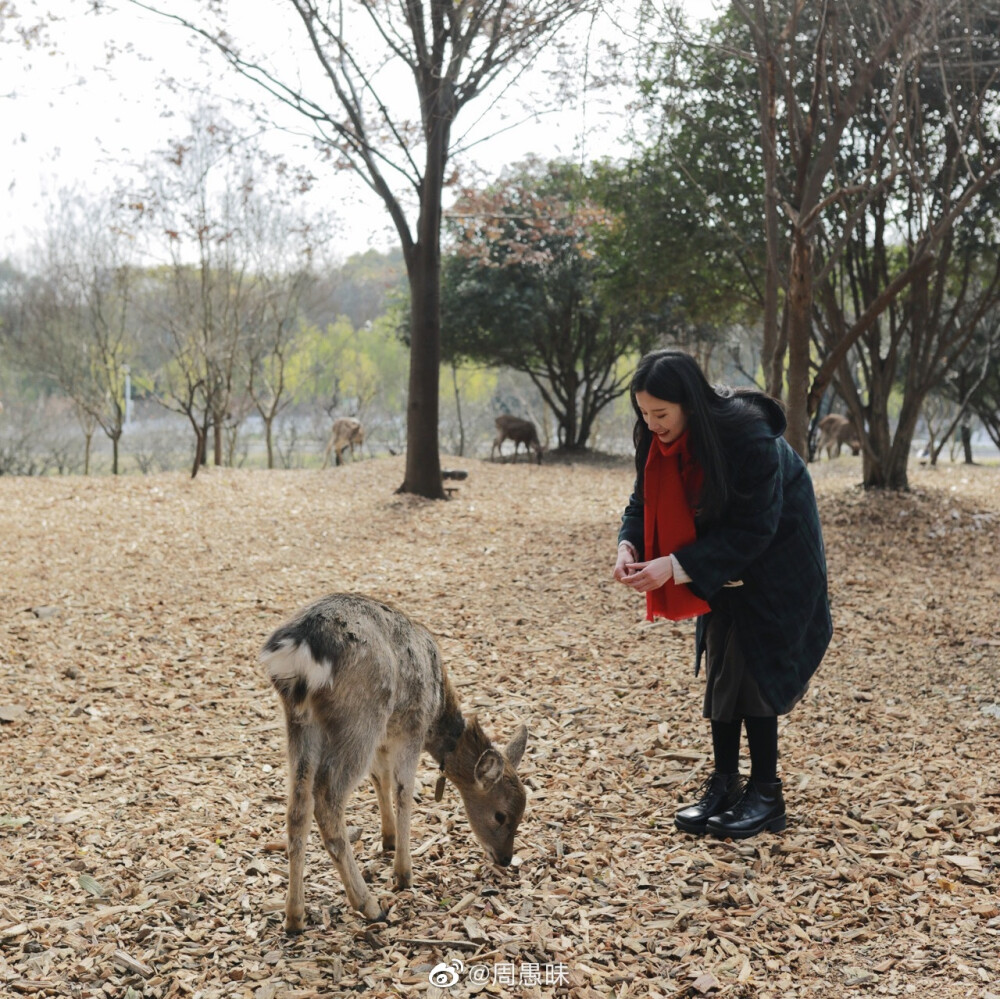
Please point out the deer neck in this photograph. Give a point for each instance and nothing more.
(445, 733)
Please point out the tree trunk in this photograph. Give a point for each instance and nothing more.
(768, 84)
(897, 479)
(966, 431)
(799, 341)
(217, 442)
(199, 451)
(571, 421)
(902, 443)
(934, 448)
(887, 456)
(458, 410)
(874, 465)
(269, 439)
(88, 440)
(586, 427)
(423, 265)
(774, 368)
(114, 455)
(895, 452)
(423, 459)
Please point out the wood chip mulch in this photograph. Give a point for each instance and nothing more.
(142, 780)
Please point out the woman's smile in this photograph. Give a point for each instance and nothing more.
(666, 420)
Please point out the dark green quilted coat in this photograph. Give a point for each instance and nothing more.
(769, 539)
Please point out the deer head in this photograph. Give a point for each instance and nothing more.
(493, 795)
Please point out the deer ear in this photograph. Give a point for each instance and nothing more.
(515, 748)
(489, 768)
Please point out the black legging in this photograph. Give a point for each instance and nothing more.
(762, 739)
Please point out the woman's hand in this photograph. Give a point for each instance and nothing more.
(646, 576)
(626, 556)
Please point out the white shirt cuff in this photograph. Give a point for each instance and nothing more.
(680, 576)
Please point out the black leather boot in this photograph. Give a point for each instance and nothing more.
(721, 791)
(761, 807)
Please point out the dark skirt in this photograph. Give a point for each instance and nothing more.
(731, 692)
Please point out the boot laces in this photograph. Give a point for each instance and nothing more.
(749, 799)
(714, 784)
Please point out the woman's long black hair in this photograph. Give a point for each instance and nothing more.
(712, 415)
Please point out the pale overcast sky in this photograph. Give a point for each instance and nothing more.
(80, 114)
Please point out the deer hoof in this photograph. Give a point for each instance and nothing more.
(388, 844)
(404, 880)
(373, 912)
(295, 924)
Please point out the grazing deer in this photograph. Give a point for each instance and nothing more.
(364, 691)
(513, 428)
(346, 432)
(834, 431)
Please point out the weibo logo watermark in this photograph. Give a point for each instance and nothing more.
(445, 976)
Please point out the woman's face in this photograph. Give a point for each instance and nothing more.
(666, 420)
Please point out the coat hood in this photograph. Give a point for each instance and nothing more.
(763, 408)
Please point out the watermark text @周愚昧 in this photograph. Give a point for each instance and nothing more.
(444, 976)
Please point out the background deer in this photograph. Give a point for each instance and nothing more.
(834, 431)
(346, 432)
(364, 690)
(513, 428)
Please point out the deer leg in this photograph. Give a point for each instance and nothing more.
(298, 818)
(382, 779)
(332, 790)
(404, 775)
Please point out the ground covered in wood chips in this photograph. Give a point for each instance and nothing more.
(142, 753)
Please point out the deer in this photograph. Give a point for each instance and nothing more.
(834, 431)
(364, 690)
(513, 428)
(345, 433)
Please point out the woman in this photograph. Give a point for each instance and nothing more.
(723, 525)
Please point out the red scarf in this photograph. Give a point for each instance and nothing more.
(672, 484)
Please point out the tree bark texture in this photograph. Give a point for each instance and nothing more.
(423, 461)
(423, 264)
(767, 76)
(966, 434)
(799, 340)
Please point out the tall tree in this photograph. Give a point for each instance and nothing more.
(692, 249)
(841, 91)
(196, 206)
(818, 65)
(222, 211)
(281, 245)
(985, 400)
(965, 388)
(528, 288)
(903, 293)
(451, 52)
(77, 325)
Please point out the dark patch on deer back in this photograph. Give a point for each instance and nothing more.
(323, 628)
